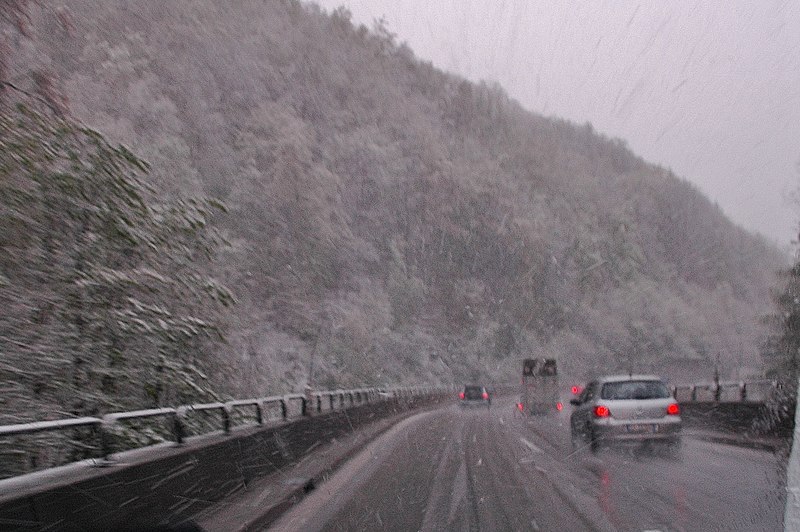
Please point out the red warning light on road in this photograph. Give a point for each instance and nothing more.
(519, 407)
(559, 406)
(576, 390)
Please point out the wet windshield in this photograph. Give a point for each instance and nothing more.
(255, 256)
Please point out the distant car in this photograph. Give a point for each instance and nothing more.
(630, 408)
(474, 395)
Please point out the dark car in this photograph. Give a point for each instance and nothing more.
(630, 408)
(474, 395)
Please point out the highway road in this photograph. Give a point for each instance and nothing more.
(450, 469)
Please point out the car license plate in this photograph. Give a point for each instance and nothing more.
(639, 428)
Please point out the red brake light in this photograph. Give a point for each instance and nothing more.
(519, 407)
(601, 411)
(673, 409)
(559, 406)
(485, 395)
(461, 395)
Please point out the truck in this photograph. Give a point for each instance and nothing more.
(540, 391)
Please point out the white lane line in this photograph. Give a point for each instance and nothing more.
(530, 446)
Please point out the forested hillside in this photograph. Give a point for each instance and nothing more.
(385, 221)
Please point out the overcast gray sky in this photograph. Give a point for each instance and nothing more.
(709, 89)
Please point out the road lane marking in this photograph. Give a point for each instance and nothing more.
(530, 446)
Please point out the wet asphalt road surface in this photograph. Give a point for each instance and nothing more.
(454, 469)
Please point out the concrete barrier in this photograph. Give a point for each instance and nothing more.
(753, 418)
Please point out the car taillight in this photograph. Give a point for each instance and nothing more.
(520, 407)
(601, 411)
(673, 409)
(461, 395)
(559, 406)
(576, 390)
(486, 395)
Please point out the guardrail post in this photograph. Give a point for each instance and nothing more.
(97, 435)
(106, 443)
(743, 391)
(226, 418)
(330, 398)
(260, 412)
(178, 425)
(319, 403)
(694, 393)
(284, 409)
(717, 392)
(304, 406)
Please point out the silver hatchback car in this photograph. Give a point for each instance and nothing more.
(629, 408)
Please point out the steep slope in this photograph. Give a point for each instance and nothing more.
(390, 222)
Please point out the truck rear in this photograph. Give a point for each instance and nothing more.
(540, 391)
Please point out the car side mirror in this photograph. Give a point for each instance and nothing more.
(575, 401)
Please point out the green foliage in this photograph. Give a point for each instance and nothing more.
(105, 303)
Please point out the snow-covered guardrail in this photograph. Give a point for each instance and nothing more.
(104, 438)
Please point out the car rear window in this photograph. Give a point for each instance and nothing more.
(473, 392)
(634, 390)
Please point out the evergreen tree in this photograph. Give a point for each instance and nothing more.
(104, 300)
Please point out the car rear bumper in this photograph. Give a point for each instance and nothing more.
(541, 408)
(466, 403)
(638, 430)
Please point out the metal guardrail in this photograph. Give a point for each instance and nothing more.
(45, 426)
(727, 391)
(106, 427)
(292, 406)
